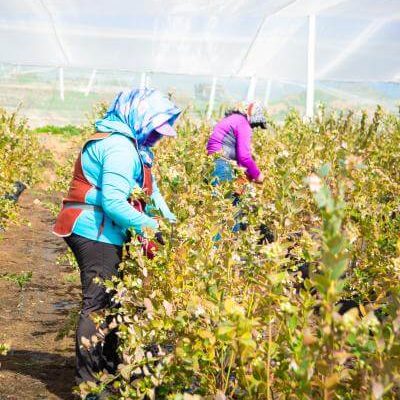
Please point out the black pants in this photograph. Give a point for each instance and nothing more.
(101, 260)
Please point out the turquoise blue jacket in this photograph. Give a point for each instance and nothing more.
(114, 166)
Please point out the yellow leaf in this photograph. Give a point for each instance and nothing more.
(225, 330)
(231, 307)
(363, 311)
(204, 334)
(341, 356)
(308, 337)
(332, 380)
(126, 371)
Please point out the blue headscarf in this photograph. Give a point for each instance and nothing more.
(137, 113)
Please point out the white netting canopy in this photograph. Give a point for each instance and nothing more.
(355, 39)
(292, 49)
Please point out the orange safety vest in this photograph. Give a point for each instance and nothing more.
(80, 186)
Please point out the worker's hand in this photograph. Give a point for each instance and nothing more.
(171, 217)
(260, 178)
(148, 246)
(149, 249)
(172, 220)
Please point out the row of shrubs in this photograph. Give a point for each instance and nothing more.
(21, 160)
(303, 303)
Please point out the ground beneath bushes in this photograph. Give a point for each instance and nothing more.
(38, 366)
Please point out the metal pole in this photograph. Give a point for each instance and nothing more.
(252, 89)
(91, 81)
(61, 79)
(310, 66)
(143, 80)
(267, 93)
(148, 80)
(212, 97)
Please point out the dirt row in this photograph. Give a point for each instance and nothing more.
(38, 366)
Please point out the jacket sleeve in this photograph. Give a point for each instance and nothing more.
(243, 150)
(119, 161)
(160, 202)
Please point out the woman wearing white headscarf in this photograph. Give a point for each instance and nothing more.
(96, 216)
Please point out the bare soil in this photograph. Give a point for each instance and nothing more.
(38, 366)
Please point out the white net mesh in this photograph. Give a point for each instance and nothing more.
(181, 45)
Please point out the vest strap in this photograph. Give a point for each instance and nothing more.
(82, 206)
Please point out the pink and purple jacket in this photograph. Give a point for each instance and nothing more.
(232, 137)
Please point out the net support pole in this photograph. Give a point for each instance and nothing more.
(61, 81)
(252, 89)
(148, 80)
(143, 80)
(91, 81)
(310, 67)
(211, 100)
(267, 93)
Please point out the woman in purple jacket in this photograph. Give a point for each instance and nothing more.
(231, 139)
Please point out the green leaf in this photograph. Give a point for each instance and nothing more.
(226, 331)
